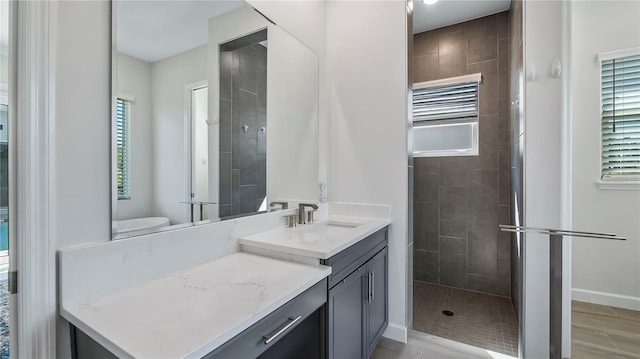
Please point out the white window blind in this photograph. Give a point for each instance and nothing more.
(445, 117)
(123, 113)
(457, 102)
(620, 99)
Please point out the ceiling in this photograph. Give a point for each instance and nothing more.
(154, 30)
(449, 12)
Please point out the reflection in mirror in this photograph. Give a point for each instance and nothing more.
(215, 113)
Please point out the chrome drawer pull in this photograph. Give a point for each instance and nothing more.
(269, 338)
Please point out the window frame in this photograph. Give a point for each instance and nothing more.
(473, 122)
(609, 181)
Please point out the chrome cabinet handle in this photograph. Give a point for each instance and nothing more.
(369, 296)
(269, 338)
(373, 285)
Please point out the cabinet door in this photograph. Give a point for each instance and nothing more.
(345, 323)
(377, 308)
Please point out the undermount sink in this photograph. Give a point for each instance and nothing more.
(329, 227)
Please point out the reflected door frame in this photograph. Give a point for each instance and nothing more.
(189, 89)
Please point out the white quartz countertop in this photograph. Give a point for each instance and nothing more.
(312, 240)
(191, 313)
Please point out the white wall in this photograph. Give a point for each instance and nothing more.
(367, 156)
(81, 144)
(134, 79)
(605, 272)
(169, 80)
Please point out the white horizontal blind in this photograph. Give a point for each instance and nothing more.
(123, 111)
(452, 103)
(620, 97)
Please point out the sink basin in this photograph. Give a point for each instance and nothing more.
(329, 228)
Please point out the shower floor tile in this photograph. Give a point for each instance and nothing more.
(481, 320)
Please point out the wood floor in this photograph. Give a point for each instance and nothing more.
(599, 331)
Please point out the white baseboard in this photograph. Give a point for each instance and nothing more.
(396, 332)
(602, 298)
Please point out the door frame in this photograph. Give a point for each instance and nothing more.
(34, 220)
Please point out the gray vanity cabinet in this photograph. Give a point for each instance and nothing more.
(357, 308)
(345, 313)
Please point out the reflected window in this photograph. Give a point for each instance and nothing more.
(123, 112)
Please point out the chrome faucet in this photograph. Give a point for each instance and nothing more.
(283, 205)
(301, 212)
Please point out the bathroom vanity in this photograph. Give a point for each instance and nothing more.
(330, 304)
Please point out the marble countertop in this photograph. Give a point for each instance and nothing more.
(191, 313)
(311, 240)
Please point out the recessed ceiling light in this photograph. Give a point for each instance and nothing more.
(430, 2)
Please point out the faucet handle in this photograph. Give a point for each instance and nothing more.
(310, 216)
(292, 220)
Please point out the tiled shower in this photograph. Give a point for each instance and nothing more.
(459, 201)
(243, 125)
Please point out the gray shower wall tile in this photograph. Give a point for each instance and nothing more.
(225, 125)
(226, 59)
(248, 69)
(489, 137)
(261, 56)
(453, 202)
(427, 164)
(453, 271)
(425, 68)
(425, 266)
(426, 186)
(247, 199)
(426, 225)
(452, 54)
(504, 179)
(261, 90)
(235, 192)
(480, 283)
(489, 90)
(425, 44)
(226, 211)
(452, 247)
(261, 176)
(504, 278)
(248, 161)
(455, 171)
(481, 32)
(482, 246)
(225, 178)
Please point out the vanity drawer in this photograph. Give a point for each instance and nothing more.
(251, 342)
(350, 259)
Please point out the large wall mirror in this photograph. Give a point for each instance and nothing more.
(215, 115)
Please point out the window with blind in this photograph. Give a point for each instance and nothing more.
(123, 117)
(445, 117)
(620, 101)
